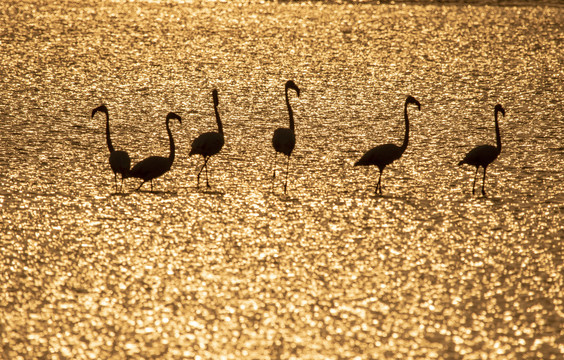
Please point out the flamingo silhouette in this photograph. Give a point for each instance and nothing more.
(209, 143)
(385, 154)
(284, 139)
(155, 166)
(483, 155)
(119, 160)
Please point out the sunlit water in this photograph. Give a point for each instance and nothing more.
(328, 271)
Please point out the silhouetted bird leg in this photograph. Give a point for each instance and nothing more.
(207, 180)
(484, 182)
(121, 184)
(474, 183)
(379, 184)
(205, 166)
(274, 166)
(199, 172)
(139, 187)
(273, 171)
(286, 181)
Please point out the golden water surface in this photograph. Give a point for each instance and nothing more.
(242, 271)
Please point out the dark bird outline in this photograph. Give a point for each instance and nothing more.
(284, 139)
(383, 155)
(154, 166)
(120, 162)
(484, 155)
(209, 143)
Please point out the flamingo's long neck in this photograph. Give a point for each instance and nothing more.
(497, 134)
(290, 112)
(218, 119)
(171, 140)
(108, 138)
(406, 136)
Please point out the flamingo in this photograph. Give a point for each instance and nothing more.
(483, 155)
(155, 166)
(284, 139)
(385, 154)
(209, 143)
(119, 160)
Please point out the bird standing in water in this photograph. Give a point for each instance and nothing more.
(119, 160)
(284, 139)
(483, 155)
(155, 166)
(385, 154)
(209, 143)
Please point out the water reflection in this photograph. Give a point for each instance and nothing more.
(326, 271)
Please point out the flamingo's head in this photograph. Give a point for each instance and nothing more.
(172, 115)
(499, 108)
(101, 108)
(411, 100)
(290, 84)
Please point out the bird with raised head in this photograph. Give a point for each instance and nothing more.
(155, 166)
(383, 155)
(284, 139)
(119, 160)
(483, 155)
(209, 143)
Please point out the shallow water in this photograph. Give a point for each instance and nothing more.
(328, 271)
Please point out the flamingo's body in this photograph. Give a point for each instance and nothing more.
(483, 155)
(284, 139)
(209, 143)
(155, 166)
(119, 160)
(385, 154)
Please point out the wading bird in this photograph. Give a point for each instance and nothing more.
(209, 143)
(385, 154)
(119, 160)
(155, 166)
(483, 155)
(284, 139)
